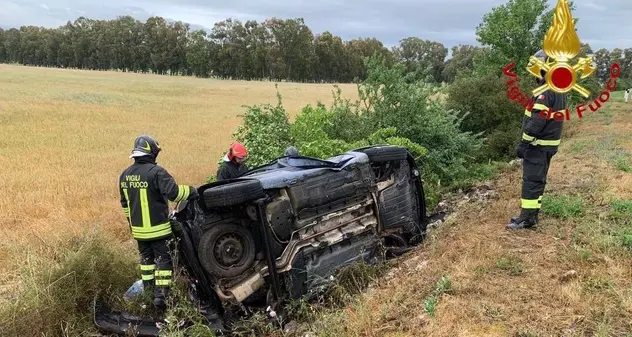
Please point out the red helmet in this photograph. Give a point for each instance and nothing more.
(237, 150)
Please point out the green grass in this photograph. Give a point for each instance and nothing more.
(563, 206)
(444, 285)
(511, 264)
(480, 172)
(621, 209)
(595, 232)
(580, 146)
(623, 164)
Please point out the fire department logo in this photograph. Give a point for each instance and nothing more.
(561, 44)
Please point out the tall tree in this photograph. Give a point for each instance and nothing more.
(279, 49)
(424, 57)
(515, 31)
(462, 60)
(602, 61)
(295, 43)
(357, 50)
(198, 53)
(329, 50)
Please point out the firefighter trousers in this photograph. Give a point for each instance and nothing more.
(535, 168)
(156, 266)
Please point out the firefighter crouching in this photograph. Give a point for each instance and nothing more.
(540, 140)
(145, 189)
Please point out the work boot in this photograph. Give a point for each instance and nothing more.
(160, 297)
(526, 219)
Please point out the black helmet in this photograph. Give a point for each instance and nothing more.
(291, 151)
(145, 145)
(542, 56)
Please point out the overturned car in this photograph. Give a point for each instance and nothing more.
(280, 230)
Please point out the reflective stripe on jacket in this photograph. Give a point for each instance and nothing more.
(146, 189)
(544, 132)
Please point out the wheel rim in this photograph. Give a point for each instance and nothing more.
(229, 250)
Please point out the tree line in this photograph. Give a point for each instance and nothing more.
(276, 49)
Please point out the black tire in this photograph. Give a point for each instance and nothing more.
(233, 194)
(213, 249)
(386, 153)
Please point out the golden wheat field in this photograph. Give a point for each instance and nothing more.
(65, 136)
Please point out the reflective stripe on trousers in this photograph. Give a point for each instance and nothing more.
(535, 168)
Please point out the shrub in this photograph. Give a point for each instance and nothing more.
(309, 136)
(389, 136)
(394, 108)
(591, 83)
(348, 122)
(485, 107)
(265, 132)
(392, 100)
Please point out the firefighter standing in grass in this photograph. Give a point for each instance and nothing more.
(233, 165)
(145, 189)
(541, 135)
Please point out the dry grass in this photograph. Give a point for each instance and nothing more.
(65, 136)
(512, 283)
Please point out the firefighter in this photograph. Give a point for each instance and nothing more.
(541, 135)
(233, 165)
(626, 94)
(145, 189)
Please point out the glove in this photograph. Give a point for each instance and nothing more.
(193, 193)
(520, 150)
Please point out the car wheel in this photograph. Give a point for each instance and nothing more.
(233, 194)
(227, 250)
(386, 153)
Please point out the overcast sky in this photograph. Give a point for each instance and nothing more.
(604, 24)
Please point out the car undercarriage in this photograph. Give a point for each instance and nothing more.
(281, 230)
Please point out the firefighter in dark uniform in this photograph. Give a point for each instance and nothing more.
(145, 190)
(233, 165)
(541, 135)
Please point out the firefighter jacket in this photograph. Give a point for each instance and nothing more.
(230, 170)
(543, 132)
(145, 190)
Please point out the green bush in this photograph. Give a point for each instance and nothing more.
(590, 83)
(392, 100)
(485, 106)
(394, 108)
(309, 136)
(348, 122)
(265, 132)
(389, 136)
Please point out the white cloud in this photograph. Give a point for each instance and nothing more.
(594, 6)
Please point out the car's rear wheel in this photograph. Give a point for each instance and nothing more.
(233, 194)
(227, 250)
